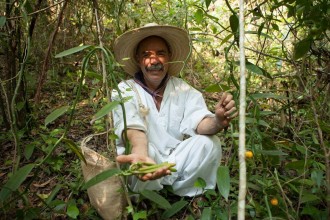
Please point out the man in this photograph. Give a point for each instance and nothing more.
(163, 109)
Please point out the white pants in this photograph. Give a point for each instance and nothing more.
(197, 157)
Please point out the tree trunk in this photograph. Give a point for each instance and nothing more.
(43, 74)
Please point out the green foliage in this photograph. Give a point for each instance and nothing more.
(100, 177)
(156, 198)
(287, 48)
(56, 114)
(105, 110)
(15, 181)
(74, 148)
(174, 209)
(223, 181)
(72, 51)
(301, 48)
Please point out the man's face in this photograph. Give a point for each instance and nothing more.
(153, 56)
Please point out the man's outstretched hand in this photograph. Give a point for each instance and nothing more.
(225, 110)
(137, 158)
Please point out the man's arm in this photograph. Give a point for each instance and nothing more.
(139, 142)
(225, 111)
(208, 126)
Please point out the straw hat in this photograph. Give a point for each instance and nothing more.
(178, 40)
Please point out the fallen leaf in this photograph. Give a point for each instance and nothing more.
(43, 184)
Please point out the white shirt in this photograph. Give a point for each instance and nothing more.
(182, 108)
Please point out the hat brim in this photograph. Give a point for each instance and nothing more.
(177, 38)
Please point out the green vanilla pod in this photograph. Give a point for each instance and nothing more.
(144, 168)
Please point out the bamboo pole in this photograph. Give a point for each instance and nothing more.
(242, 108)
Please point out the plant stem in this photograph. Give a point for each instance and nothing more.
(284, 196)
(268, 209)
(326, 151)
(106, 88)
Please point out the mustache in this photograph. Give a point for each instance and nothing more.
(156, 67)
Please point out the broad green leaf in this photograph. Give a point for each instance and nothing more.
(199, 16)
(223, 181)
(312, 211)
(275, 27)
(207, 3)
(100, 177)
(307, 197)
(317, 176)
(28, 151)
(55, 114)
(221, 214)
(156, 198)
(140, 215)
(72, 51)
(255, 69)
(72, 211)
(72, 145)
(273, 153)
(254, 186)
(176, 207)
(105, 110)
(94, 75)
(233, 20)
(306, 182)
(263, 123)
(265, 73)
(207, 214)
(15, 181)
(200, 183)
(259, 34)
(2, 21)
(301, 48)
(226, 39)
(249, 120)
(217, 88)
(298, 165)
(53, 193)
(261, 27)
(315, 140)
(195, 29)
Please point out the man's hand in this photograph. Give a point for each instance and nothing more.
(135, 158)
(225, 110)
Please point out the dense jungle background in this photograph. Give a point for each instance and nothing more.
(56, 71)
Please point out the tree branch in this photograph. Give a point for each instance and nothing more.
(38, 11)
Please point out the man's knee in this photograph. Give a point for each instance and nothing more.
(209, 145)
(209, 140)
